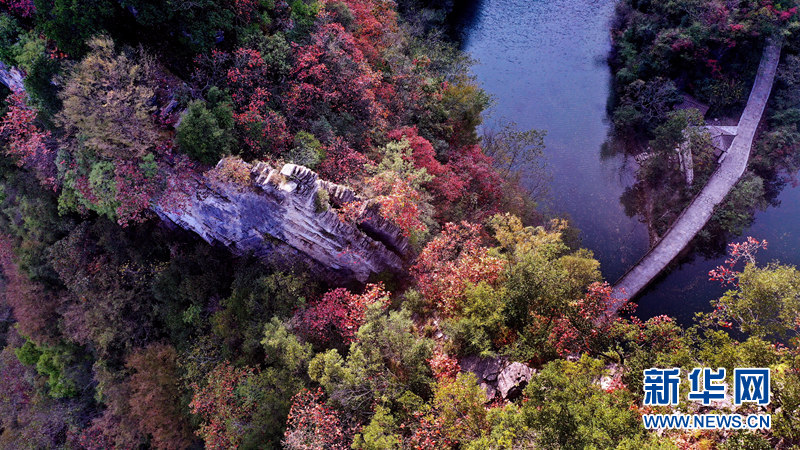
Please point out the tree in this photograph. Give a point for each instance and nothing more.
(396, 187)
(313, 425)
(225, 413)
(645, 103)
(460, 404)
(306, 150)
(542, 281)
(766, 302)
(108, 164)
(450, 262)
(380, 434)
(339, 314)
(107, 101)
(254, 300)
(71, 23)
(33, 308)
(248, 77)
(155, 401)
(515, 152)
(600, 419)
(206, 129)
(386, 360)
(342, 164)
(28, 416)
(22, 8)
(110, 305)
(26, 141)
(331, 80)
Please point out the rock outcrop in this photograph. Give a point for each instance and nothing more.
(498, 377)
(12, 78)
(282, 214)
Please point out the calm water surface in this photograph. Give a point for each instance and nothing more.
(543, 62)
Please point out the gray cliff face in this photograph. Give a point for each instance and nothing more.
(277, 217)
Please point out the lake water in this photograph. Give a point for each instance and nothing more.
(544, 64)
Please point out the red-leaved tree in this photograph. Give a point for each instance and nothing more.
(737, 251)
(224, 414)
(450, 262)
(332, 80)
(22, 8)
(591, 325)
(338, 314)
(312, 425)
(26, 141)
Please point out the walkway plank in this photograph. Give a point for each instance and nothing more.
(699, 211)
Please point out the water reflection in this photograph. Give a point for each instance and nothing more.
(544, 64)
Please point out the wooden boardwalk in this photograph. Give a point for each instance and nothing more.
(699, 211)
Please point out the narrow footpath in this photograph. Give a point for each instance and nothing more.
(699, 211)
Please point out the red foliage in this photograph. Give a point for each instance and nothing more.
(263, 130)
(246, 75)
(246, 10)
(375, 21)
(339, 312)
(331, 77)
(450, 262)
(222, 412)
(115, 427)
(446, 185)
(33, 308)
(26, 141)
(155, 396)
(16, 385)
(134, 192)
(577, 331)
(422, 151)
(178, 181)
(312, 425)
(398, 201)
(429, 433)
(484, 186)
(589, 327)
(22, 8)
(444, 366)
(737, 251)
(342, 163)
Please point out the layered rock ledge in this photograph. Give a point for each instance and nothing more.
(279, 215)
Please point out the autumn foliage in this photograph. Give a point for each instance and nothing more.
(26, 141)
(219, 405)
(313, 425)
(450, 262)
(737, 251)
(339, 313)
(22, 8)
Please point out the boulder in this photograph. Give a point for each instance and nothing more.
(498, 377)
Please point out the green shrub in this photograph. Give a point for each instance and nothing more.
(206, 131)
(306, 151)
